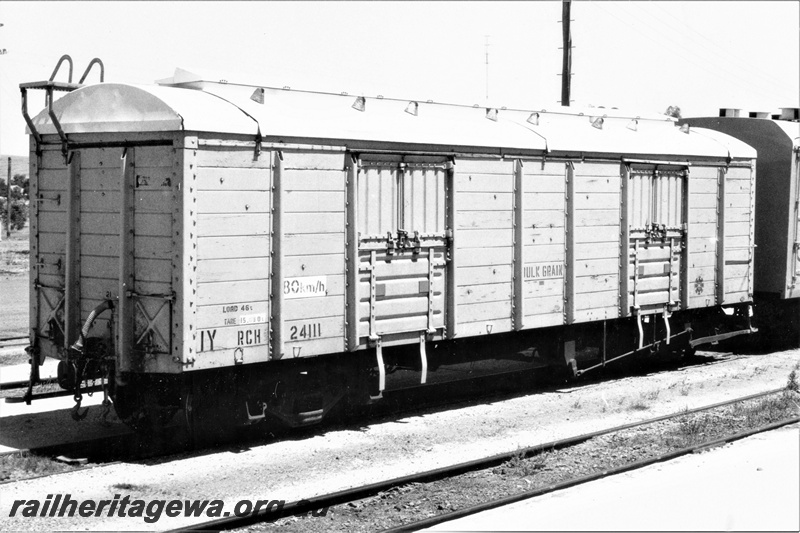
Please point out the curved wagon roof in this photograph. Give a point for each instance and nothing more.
(197, 105)
(775, 133)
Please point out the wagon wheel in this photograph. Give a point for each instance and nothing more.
(139, 411)
(209, 418)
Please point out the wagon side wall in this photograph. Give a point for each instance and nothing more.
(228, 242)
(594, 272)
(703, 229)
(534, 244)
(484, 246)
(79, 240)
(312, 288)
(739, 218)
(541, 248)
(49, 177)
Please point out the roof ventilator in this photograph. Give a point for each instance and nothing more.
(729, 112)
(258, 95)
(49, 87)
(790, 113)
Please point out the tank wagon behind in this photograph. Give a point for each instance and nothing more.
(273, 250)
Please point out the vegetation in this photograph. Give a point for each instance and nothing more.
(792, 384)
(26, 464)
(673, 111)
(19, 201)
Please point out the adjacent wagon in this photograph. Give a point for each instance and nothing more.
(777, 228)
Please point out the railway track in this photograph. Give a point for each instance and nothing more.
(13, 339)
(500, 502)
(97, 450)
(175, 440)
(13, 342)
(22, 385)
(302, 507)
(47, 387)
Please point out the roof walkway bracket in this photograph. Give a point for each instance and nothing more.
(49, 87)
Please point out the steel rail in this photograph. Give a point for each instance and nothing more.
(21, 384)
(357, 493)
(4, 339)
(434, 520)
(53, 394)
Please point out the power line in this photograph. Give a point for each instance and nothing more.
(720, 52)
(689, 59)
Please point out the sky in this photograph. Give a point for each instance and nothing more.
(636, 55)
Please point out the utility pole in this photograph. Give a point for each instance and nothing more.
(566, 64)
(8, 201)
(3, 51)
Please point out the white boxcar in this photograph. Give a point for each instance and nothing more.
(221, 228)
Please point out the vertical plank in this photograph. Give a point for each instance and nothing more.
(452, 261)
(351, 254)
(751, 252)
(440, 201)
(276, 318)
(686, 254)
(791, 266)
(391, 206)
(126, 266)
(184, 229)
(72, 304)
(721, 175)
(183, 315)
(569, 282)
(625, 243)
(33, 192)
(519, 248)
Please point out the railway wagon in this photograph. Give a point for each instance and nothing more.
(266, 252)
(777, 228)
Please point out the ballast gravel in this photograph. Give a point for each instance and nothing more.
(305, 466)
(402, 506)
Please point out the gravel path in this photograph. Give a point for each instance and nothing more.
(311, 465)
